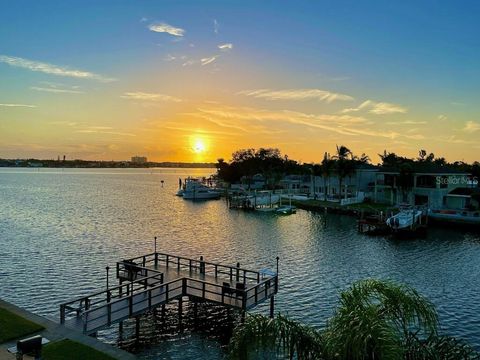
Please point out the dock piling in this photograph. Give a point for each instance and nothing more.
(272, 307)
(137, 328)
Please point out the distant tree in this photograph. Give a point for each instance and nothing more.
(327, 168)
(422, 154)
(344, 165)
(363, 159)
(440, 161)
(389, 159)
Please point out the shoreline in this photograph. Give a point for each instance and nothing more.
(55, 331)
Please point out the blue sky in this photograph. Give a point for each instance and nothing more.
(418, 57)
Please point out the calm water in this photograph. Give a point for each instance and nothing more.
(59, 229)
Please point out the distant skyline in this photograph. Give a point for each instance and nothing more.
(194, 81)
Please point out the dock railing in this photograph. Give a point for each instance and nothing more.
(143, 288)
(233, 273)
(78, 306)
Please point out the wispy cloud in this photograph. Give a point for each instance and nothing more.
(92, 131)
(378, 108)
(18, 105)
(226, 46)
(143, 96)
(347, 125)
(169, 57)
(189, 62)
(406, 122)
(55, 90)
(52, 69)
(215, 26)
(209, 60)
(63, 122)
(297, 94)
(106, 130)
(471, 127)
(165, 28)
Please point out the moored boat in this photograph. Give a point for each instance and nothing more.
(194, 189)
(286, 209)
(405, 219)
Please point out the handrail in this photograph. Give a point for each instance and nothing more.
(141, 292)
(114, 288)
(168, 260)
(138, 290)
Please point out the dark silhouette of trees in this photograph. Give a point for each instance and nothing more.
(268, 162)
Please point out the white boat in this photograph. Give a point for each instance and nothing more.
(455, 216)
(286, 209)
(404, 219)
(201, 194)
(180, 192)
(195, 190)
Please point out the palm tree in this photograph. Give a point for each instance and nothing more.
(344, 159)
(326, 170)
(279, 337)
(374, 320)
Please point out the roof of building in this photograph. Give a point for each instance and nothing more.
(425, 169)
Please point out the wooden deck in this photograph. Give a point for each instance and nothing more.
(156, 279)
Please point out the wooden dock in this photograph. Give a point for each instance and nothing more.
(149, 281)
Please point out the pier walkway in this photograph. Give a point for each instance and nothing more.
(155, 279)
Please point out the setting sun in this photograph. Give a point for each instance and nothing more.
(199, 146)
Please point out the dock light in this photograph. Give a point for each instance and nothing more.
(278, 258)
(155, 242)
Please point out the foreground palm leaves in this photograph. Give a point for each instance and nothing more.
(374, 320)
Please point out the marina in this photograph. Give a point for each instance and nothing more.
(82, 220)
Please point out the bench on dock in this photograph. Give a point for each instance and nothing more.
(29, 346)
(239, 290)
(130, 270)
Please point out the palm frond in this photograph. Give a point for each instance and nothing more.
(279, 337)
(374, 317)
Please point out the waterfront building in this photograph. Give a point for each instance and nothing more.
(255, 182)
(353, 188)
(296, 184)
(434, 187)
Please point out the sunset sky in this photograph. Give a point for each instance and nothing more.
(196, 80)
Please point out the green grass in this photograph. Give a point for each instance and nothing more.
(71, 350)
(13, 326)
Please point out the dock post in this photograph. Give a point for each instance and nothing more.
(180, 310)
(163, 312)
(120, 328)
(272, 306)
(195, 312)
(242, 318)
(137, 328)
(238, 271)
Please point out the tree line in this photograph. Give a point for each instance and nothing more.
(270, 163)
